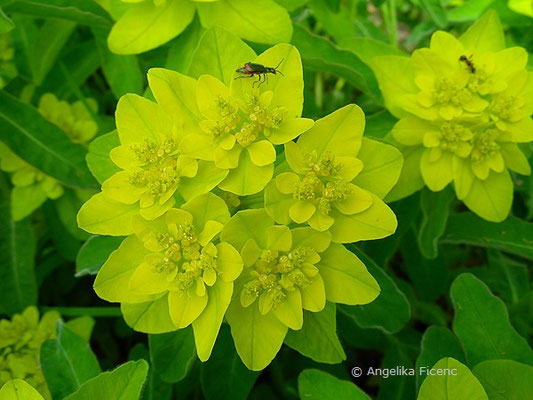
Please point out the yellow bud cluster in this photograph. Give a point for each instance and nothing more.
(447, 92)
(150, 152)
(485, 144)
(185, 258)
(274, 274)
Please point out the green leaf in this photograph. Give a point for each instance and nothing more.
(17, 389)
(94, 253)
(435, 208)
(17, 278)
(224, 376)
(469, 11)
(318, 338)
(320, 54)
(318, 385)
(121, 72)
(505, 379)
(367, 48)
(338, 24)
(40, 143)
(461, 386)
(66, 244)
(429, 276)
(78, 62)
(506, 276)
(390, 311)
(438, 342)
(82, 326)
(219, 53)
(67, 362)
(172, 354)
(123, 383)
(98, 159)
(6, 25)
(262, 22)
(398, 353)
(436, 11)
(183, 47)
(482, 324)
(53, 35)
(80, 11)
(510, 235)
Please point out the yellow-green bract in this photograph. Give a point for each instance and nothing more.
(187, 259)
(146, 24)
(464, 105)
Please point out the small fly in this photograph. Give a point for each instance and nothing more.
(469, 63)
(250, 70)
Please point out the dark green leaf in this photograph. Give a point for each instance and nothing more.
(6, 24)
(435, 209)
(318, 338)
(67, 362)
(121, 72)
(505, 379)
(367, 48)
(80, 11)
(512, 235)
(390, 311)
(482, 324)
(320, 54)
(123, 383)
(94, 253)
(438, 342)
(172, 354)
(40, 143)
(317, 385)
(436, 11)
(66, 243)
(43, 52)
(17, 279)
(224, 376)
(182, 48)
(79, 60)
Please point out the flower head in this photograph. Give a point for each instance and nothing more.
(154, 171)
(285, 272)
(20, 344)
(464, 105)
(175, 266)
(323, 188)
(237, 127)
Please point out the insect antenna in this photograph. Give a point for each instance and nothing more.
(276, 67)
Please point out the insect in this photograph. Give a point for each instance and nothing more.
(469, 63)
(250, 70)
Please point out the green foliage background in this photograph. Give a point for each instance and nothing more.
(455, 289)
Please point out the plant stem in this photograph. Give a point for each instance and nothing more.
(85, 311)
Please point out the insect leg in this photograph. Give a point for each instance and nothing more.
(244, 76)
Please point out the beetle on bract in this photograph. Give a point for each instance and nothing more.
(251, 69)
